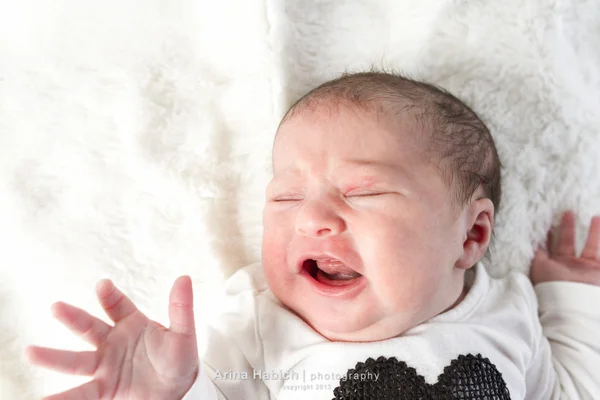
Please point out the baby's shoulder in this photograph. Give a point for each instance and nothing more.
(246, 294)
(247, 279)
(513, 281)
(509, 305)
(237, 310)
(514, 290)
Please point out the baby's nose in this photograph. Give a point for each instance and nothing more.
(316, 219)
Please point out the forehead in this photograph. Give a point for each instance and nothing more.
(348, 134)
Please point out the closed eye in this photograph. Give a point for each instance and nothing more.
(366, 194)
(284, 199)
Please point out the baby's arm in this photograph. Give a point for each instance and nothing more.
(226, 372)
(234, 350)
(566, 362)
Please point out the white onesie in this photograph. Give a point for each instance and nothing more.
(493, 345)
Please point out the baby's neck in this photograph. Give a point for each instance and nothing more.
(468, 282)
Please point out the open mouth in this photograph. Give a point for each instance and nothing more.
(330, 272)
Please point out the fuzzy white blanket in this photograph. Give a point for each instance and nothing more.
(135, 136)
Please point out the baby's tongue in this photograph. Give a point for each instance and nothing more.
(334, 272)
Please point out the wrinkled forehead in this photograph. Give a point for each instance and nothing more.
(348, 142)
(339, 125)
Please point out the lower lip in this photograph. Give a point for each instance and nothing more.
(335, 291)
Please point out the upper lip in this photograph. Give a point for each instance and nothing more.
(348, 259)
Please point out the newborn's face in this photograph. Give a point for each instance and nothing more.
(360, 235)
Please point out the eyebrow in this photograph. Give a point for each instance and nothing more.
(367, 163)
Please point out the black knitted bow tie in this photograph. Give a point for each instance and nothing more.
(467, 377)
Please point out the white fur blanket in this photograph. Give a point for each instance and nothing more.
(135, 136)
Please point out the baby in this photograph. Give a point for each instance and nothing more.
(371, 287)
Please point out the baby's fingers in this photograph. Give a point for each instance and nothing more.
(68, 362)
(114, 302)
(90, 328)
(591, 249)
(566, 236)
(87, 391)
(181, 307)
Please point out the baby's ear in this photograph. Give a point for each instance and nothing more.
(479, 218)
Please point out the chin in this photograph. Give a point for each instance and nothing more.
(344, 330)
(355, 336)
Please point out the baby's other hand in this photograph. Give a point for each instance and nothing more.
(560, 263)
(136, 358)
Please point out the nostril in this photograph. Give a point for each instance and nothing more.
(324, 232)
(319, 222)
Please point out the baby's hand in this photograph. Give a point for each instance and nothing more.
(136, 358)
(559, 262)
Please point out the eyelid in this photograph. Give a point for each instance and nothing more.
(287, 197)
(365, 193)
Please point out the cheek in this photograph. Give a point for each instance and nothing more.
(277, 233)
(395, 237)
(402, 249)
